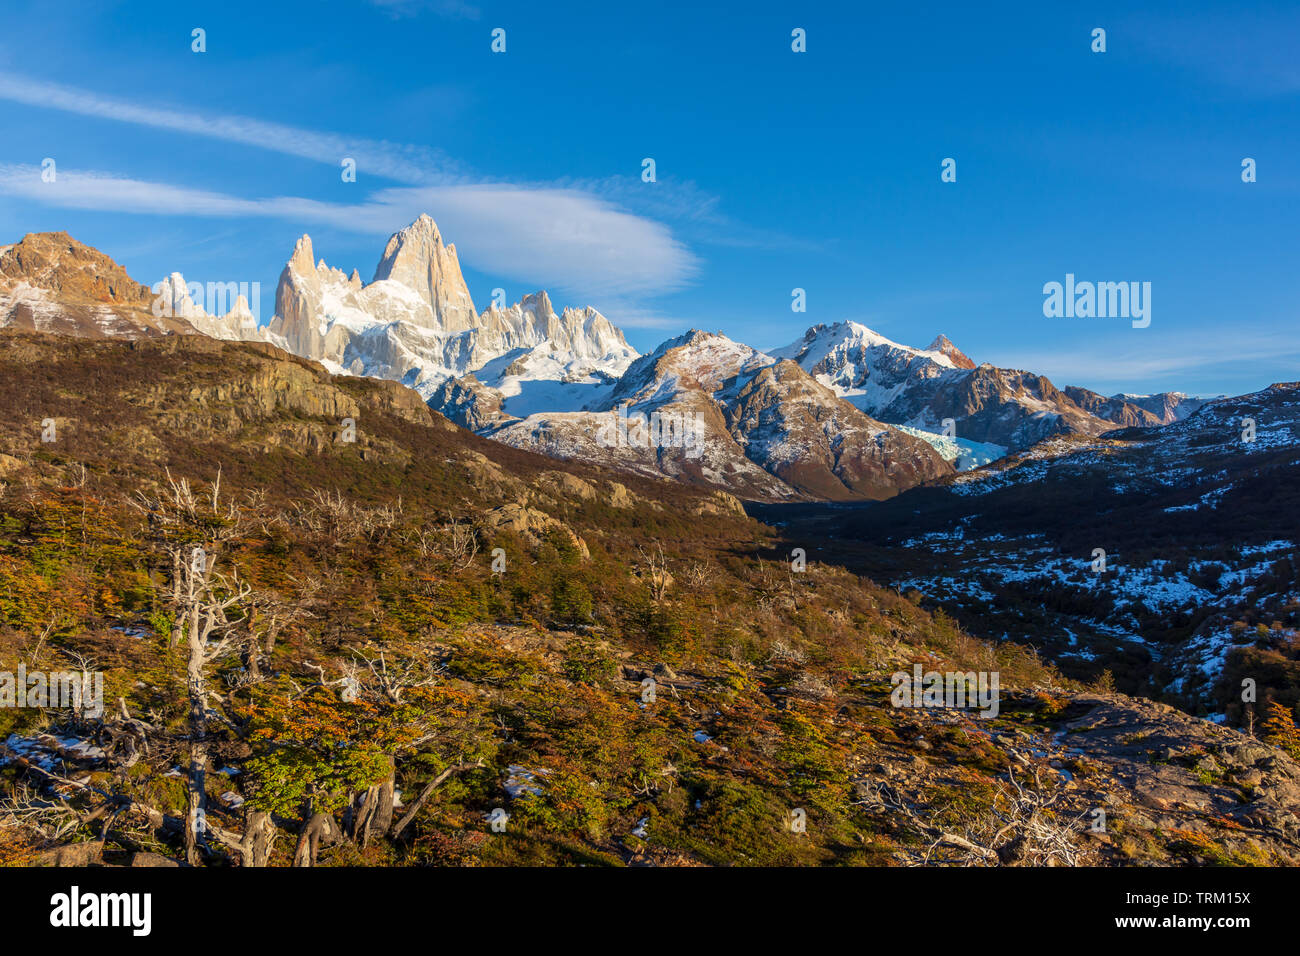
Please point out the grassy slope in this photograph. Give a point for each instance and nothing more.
(773, 686)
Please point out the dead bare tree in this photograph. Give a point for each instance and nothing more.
(211, 634)
(655, 570)
(454, 540)
(699, 574)
(210, 610)
(1020, 828)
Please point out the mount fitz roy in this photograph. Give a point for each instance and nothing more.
(841, 414)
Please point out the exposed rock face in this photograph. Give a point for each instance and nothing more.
(743, 421)
(469, 403)
(532, 525)
(1166, 407)
(1113, 409)
(50, 282)
(821, 445)
(417, 324)
(561, 486)
(919, 388)
(721, 503)
(1213, 793)
(943, 346)
(1162, 758)
(417, 258)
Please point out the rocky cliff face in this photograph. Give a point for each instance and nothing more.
(50, 282)
(711, 411)
(919, 388)
(417, 259)
(417, 323)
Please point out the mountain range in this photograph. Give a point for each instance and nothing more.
(841, 414)
(453, 546)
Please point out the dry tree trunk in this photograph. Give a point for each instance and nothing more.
(373, 814)
(319, 830)
(178, 620)
(383, 818)
(259, 839)
(196, 683)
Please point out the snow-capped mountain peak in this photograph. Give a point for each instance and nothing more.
(416, 322)
(939, 390)
(417, 258)
(944, 347)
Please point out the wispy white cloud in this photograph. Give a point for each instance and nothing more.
(571, 236)
(693, 208)
(558, 237)
(397, 161)
(682, 202)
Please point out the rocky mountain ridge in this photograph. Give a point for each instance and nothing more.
(843, 413)
(921, 388)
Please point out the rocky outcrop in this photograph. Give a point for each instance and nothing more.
(50, 282)
(469, 403)
(1186, 774)
(562, 486)
(531, 524)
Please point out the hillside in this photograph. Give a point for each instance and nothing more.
(1196, 523)
(370, 690)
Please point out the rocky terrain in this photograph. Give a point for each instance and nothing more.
(412, 630)
(994, 410)
(50, 282)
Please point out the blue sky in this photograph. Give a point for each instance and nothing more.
(776, 170)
